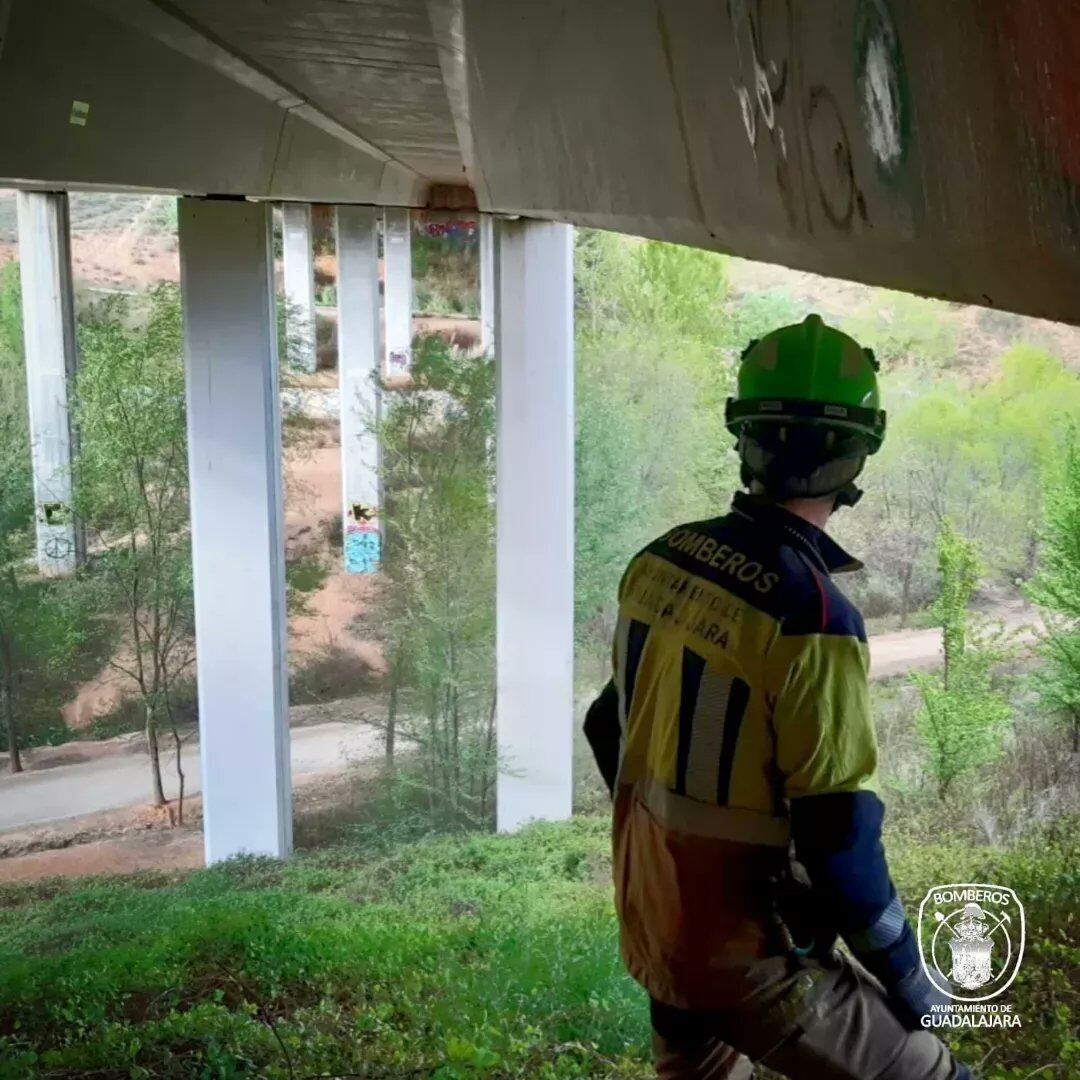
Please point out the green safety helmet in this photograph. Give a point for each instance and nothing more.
(807, 412)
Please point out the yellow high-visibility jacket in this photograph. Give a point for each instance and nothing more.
(740, 671)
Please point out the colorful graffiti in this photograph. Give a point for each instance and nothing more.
(363, 540)
(454, 229)
(398, 361)
(363, 549)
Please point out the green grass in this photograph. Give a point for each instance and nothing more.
(463, 957)
(454, 958)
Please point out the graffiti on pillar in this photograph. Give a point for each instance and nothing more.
(363, 541)
(398, 361)
(454, 228)
(762, 66)
(57, 518)
(59, 548)
(881, 86)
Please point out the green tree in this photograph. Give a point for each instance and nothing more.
(434, 611)
(1056, 588)
(132, 492)
(654, 366)
(39, 628)
(40, 634)
(978, 452)
(1023, 416)
(16, 505)
(963, 714)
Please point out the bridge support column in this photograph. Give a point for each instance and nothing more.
(237, 531)
(298, 265)
(49, 345)
(397, 289)
(358, 369)
(486, 240)
(535, 520)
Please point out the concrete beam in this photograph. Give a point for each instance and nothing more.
(535, 521)
(918, 145)
(298, 266)
(51, 360)
(119, 94)
(358, 370)
(397, 290)
(237, 531)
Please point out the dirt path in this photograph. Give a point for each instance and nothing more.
(140, 838)
(914, 650)
(108, 782)
(118, 777)
(905, 650)
(158, 850)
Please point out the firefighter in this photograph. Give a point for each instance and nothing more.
(736, 738)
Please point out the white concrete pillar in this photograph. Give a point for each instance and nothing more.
(486, 258)
(535, 520)
(397, 289)
(358, 370)
(49, 343)
(237, 530)
(298, 265)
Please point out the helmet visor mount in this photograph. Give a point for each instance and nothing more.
(868, 423)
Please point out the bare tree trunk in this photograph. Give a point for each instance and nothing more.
(391, 716)
(489, 754)
(179, 760)
(454, 709)
(12, 728)
(1032, 560)
(155, 756)
(179, 777)
(905, 594)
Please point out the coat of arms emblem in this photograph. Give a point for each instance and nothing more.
(972, 939)
(971, 947)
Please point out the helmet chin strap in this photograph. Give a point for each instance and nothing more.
(848, 495)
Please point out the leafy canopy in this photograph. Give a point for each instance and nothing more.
(963, 714)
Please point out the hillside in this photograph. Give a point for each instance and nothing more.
(118, 242)
(970, 337)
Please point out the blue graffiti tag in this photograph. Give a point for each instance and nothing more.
(363, 550)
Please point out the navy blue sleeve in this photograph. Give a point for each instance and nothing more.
(602, 731)
(838, 840)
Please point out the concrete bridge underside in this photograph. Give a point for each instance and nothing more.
(927, 146)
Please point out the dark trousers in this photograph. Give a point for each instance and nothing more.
(852, 1035)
